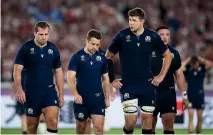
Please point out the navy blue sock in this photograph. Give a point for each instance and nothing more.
(147, 131)
(128, 132)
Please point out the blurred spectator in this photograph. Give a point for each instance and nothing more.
(191, 23)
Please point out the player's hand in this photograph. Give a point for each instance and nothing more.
(157, 80)
(21, 97)
(117, 83)
(107, 103)
(113, 94)
(78, 99)
(185, 103)
(61, 101)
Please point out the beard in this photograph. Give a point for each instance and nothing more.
(42, 42)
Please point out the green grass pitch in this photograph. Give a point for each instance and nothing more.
(112, 131)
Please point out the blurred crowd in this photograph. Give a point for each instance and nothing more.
(191, 22)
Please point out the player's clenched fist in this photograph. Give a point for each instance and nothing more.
(117, 83)
(78, 99)
(20, 95)
(185, 103)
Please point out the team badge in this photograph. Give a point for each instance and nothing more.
(32, 51)
(83, 58)
(81, 115)
(30, 111)
(50, 51)
(98, 58)
(128, 38)
(153, 54)
(147, 39)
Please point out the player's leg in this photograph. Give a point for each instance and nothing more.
(88, 127)
(33, 111)
(97, 116)
(130, 106)
(20, 111)
(191, 117)
(42, 127)
(154, 122)
(168, 120)
(199, 121)
(155, 116)
(50, 110)
(147, 106)
(168, 111)
(32, 124)
(98, 123)
(51, 117)
(81, 116)
(23, 124)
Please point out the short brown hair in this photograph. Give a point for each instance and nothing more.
(137, 12)
(94, 34)
(41, 24)
(162, 27)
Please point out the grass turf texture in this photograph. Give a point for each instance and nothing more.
(112, 131)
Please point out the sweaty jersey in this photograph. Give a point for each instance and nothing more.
(39, 63)
(89, 70)
(134, 52)
(157, 62)
(195, 79)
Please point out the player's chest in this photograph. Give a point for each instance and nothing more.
(40, 55)
(136, 44)
(196, 73)
(90, 62)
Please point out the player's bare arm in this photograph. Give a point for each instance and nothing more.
(166, 64)
(71, 78)
(12, 90)
(115, 82)
(208, 64)
(185, 62)
(181, 84)
(59, 79)
(17, 79)
(106, 88)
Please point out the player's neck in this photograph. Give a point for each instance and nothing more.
(139, 31)
(39, 45)
(85, 49)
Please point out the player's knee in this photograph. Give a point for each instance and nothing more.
(129, 126)
(32, 128)
(99, 128)
(130, 106)
(168, 121)
(200, 119)
(52, 122)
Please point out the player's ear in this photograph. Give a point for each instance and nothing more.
(35, 33)
(142, 20)
(86, 41)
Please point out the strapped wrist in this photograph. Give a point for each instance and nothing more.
(184, 95)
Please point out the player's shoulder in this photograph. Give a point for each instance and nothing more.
(52, 45)
(124, 32)
(173, 50)
(79, 53)
(28, 43)
(150, 32)
(101, 54)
